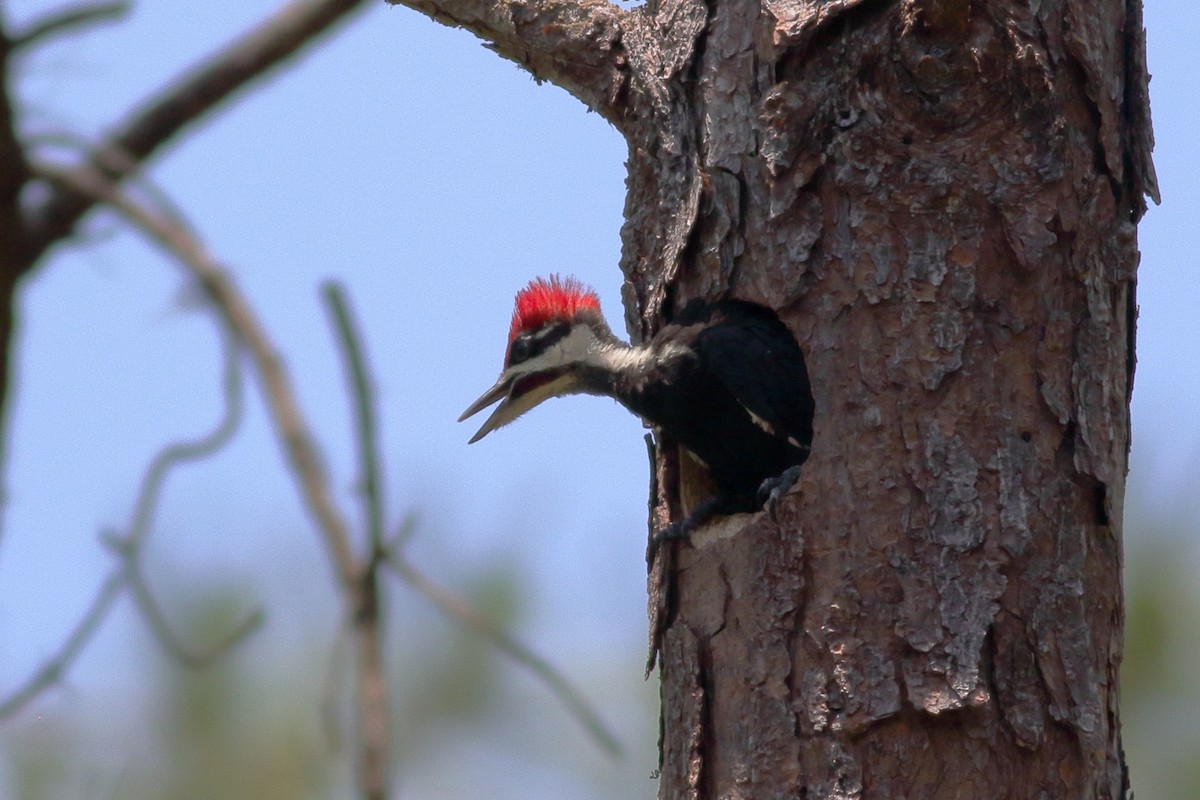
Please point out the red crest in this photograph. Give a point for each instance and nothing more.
(550, 300)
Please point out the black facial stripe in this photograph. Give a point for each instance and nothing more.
(533, 343)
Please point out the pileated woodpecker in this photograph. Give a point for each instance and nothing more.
(727, 381)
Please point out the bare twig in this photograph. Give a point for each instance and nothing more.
(404, 533)
(359, 583)
(296, 440)
(52, 669)
(173, 455)
(112, 160)
(182, 102)
(27, 231)
(156, 620)
(374, 721)
(461, 610)
(373, 713)
(176, 647)
(129, 547)
(69, 19)
(334, 677)
(361, 389)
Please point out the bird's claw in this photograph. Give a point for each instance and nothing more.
(676, 530)
(774, 488)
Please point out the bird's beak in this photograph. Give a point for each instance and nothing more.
(498, 392)
(517, 394)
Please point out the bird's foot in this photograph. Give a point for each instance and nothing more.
(704, 511)
(774, 488)
(673, 532)
(678, 530)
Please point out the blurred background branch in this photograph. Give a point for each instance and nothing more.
(181, 102)
(373, 713)
(129, 545)
(68, 20)
(53, 669)
(358, 576)
(462, 611)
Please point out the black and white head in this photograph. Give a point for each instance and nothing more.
(557, 330)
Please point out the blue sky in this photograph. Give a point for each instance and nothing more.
(433, 179)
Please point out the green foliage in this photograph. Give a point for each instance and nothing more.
(265, 723)
(250, 727)
(1160, 698)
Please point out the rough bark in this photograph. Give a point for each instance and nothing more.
(941, 200)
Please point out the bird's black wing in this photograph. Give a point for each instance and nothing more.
(756, 357)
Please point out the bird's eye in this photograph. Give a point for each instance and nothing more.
(519, 350)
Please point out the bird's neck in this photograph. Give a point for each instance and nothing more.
(626, 372)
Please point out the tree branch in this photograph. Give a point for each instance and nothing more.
(167, 639)
(359, 582)
(455, 606)
(69, 19)
(129, 547)
(296, 440)
(374, 722)
(114, 161)
(52, 670)
(182, 102)
(575, 44)
(14, 172)
(364, 405)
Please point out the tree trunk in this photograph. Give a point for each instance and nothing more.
(940, 198)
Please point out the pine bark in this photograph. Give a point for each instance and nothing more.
(940, 198)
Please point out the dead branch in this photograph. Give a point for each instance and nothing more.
(457, 607)
(69, 19)
(374, 722)
(129, 547)
(156, 620)
(174, 645)
(52, 670)
(150, 491)
(361, 390)
(358, 584)
(114, 160)
(182, 102)
(295, 437)
(14, 172)
(359, 581)
(575, 44)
